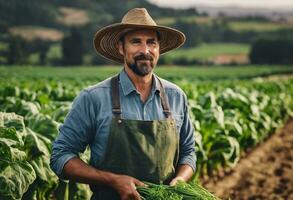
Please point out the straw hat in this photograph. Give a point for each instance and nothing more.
(106, 39)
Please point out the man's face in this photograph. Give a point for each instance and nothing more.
(141, 51)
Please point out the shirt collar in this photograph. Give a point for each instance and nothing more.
(128, 87)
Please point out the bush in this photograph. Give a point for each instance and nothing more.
(272, 51)
(72, 48)
(17, 53)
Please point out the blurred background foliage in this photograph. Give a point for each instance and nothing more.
(60, 32)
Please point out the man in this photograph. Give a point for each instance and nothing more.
(136, 124)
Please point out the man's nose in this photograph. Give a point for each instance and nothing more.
(145, 49)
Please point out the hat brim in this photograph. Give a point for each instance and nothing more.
(106, 39)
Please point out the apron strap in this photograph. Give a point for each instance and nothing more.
(164, 100)
(115, 97)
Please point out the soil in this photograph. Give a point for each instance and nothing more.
(266, 172)
(230, 58)
(30, 33)
(73, 16)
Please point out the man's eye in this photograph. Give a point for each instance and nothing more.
(135, 42)
(153, 42)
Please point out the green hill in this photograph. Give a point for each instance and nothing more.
(48, 13)
(44, 25)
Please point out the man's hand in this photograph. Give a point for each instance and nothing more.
(183, 173)
(176, 179)
(126, 187)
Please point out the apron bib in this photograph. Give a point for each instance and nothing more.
(146, 150)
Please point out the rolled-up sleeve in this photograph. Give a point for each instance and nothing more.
(187, 142)
(75, 133)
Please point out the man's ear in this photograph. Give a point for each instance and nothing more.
(120, 48)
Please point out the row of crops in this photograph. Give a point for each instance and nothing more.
(229, 117)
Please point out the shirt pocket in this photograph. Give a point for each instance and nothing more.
(178, 121)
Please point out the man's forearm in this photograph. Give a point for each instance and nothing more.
(185, 172)
(77, 170)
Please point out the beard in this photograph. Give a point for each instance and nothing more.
(142, 65)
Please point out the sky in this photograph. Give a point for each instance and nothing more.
(269, 4)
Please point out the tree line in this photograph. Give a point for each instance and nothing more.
(77, 48)
(264, 50)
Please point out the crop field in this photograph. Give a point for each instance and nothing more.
(239, 26)
(258, 26)
(189, 19)
(233, 110)
(91, 75)
(209, 51)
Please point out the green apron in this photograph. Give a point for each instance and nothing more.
(146, 150)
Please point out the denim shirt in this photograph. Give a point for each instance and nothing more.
(88, 121)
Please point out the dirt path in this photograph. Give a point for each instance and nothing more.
(266, 172)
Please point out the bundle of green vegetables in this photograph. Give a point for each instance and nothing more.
(181, 191)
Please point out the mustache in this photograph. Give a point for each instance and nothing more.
(143, 57)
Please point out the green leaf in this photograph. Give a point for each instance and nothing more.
(44, 125)
(15, 179)
(12, 120)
